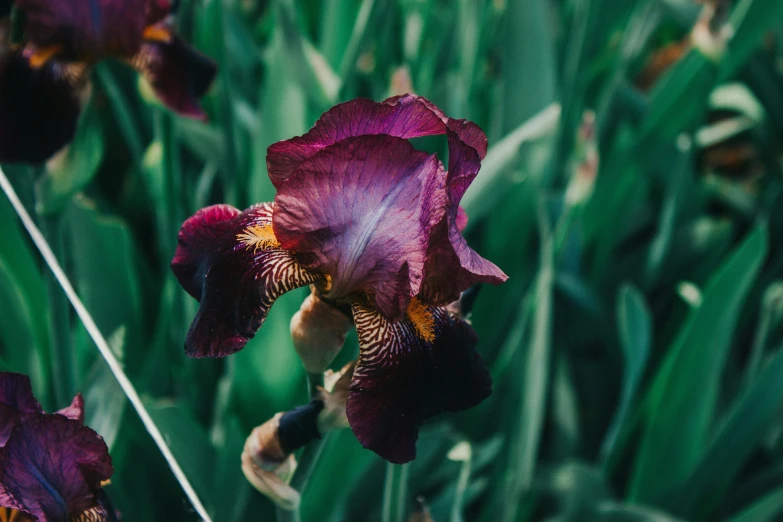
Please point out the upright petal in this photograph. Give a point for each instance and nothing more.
(177, 73)
(361, 211)
(52, 468)
(232, 263)
(39, 109)
(408, 371)
(76, 410)
(16, 398)
(452, 266)
(402, 117)
(86, 28)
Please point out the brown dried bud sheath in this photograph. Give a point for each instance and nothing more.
(318, 330)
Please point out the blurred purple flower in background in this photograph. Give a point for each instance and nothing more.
(51, 465)
(41, 80)
(375, 226)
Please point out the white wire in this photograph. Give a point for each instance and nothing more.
(103, 347)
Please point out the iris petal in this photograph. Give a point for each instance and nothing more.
(409, 371)
(452, 266)
(76, 410)
(52, 467)
(232, 263)
(39, 109)
(86, 28)
(178, 73)
(16, 398)
(401, 117)
(361, 211)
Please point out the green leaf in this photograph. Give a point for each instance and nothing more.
(534, 363)
(70, 171)
(678, 415)
(635, 325)
(748, 421)
(767, 509)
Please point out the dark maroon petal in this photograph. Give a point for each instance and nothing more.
(39, 109)
(76, 410)
(452, 266)
(16, 398)
(178, 74)
(361, 211)
(52, 467)
(408, 371)
(232, 263)
(86, 29)
(157, 10)
(403, 117)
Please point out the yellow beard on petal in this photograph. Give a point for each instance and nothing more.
(12, 515)
(259, 236)
(422, 320)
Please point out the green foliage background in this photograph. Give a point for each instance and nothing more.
(635, 349)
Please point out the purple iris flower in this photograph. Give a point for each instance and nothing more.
(375, 226)
(42, 79)
(51, 465)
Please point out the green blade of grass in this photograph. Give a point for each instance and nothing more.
(103, 347)
(526, 434)
(635, 325)
(746, 424)
(678, 418)
(493, 180)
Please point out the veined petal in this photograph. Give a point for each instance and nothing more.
(16, 398)
(177, 73)
(408, 371)
(39, 108)
(361, 211)
(232, 263)
(402, 117)
(452, 266)
(86, 28)
(51, 467)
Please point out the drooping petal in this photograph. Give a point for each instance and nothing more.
(51, 467)
(408, 371)
(177, 73)
(452, 266)
(361, 211)
(16, 398)
(39, 108)
(76, 410)
(86, 28)
(232, 263)
(402, 117)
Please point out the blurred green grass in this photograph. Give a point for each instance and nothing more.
(635, 349)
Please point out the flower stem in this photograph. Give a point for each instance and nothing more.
(309, 458)
(395, 493)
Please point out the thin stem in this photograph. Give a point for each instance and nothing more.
(61, 348)
(284, 515)
(103, 346)
(462, 486)
(395, 493)
(309, 458)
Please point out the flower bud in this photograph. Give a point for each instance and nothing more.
(585, 167)
(712, 31)
(318, 330)
(268, 466)
(333, 416)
